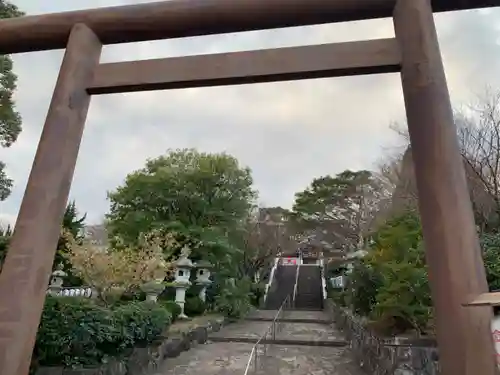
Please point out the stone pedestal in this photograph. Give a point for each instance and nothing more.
(153, 289)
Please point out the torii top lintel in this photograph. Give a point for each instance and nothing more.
(183, 18)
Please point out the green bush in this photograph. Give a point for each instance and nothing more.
(77, 332)
(390, 285)
(403, 300)
(490, 244)
(172, 307)
(131, 295)
(338, 296)
(73, 332)
(194, 306)
(234, 301)
(140, 323)
(363, 283)
(257, 291)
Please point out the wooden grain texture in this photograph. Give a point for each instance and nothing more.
(27, 268)
(280, 64)
(485, 299)
(181, 18)
(455, 265)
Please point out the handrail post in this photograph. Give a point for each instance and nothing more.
(274, 328)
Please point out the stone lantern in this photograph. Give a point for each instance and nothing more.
(154, 287)
(56, 281)
(181, 283)
(203, 277)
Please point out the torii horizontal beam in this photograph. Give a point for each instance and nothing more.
(235, 68)
(183, 18)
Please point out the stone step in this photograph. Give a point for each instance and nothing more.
(291, 316)
(281, 286)
(309, 288)
(251, 331)
(277, 341)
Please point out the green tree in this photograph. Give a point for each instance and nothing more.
(10, 120)
(390, 285)
(186, 187)
(204, 199)
(5, 234)
(73, 225)
(340, 207)
(490, 244)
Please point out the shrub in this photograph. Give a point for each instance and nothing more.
(490, 244)
(234, 300)
(257, 291)
(194, 306)
(363, 283)
(73, 331)
(403, 300)
(172, 307)
(140, 323)
(132, 294)
(77, 332)
(338, 296)
(390, 285)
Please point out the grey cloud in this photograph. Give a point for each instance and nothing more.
(287, 133)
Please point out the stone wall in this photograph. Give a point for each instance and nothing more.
(145, 361)
(385, 356)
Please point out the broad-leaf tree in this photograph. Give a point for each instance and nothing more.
(202, 198)
(187, 187)
(10, 120)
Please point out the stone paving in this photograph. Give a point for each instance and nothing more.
(231, 357)
(225, 358)
(307, 360)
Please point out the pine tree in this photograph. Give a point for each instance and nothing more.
(73, 225)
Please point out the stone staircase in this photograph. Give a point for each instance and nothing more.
(281, 286)
(309, 288)
(274, 341)
(307, 344)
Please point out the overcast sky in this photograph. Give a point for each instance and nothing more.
(288, 133)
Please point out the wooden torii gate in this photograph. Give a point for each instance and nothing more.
(455, 266)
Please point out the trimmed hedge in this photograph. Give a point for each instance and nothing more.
(77, 332)
(194, 306)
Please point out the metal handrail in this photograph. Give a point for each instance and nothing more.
(274, 327)
(323, 280)
(296, 282)
(271, 277)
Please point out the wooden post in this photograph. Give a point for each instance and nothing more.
(456, 269)
(27, 267)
